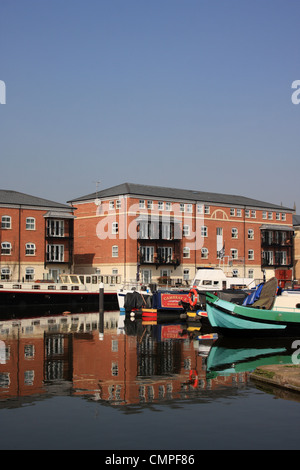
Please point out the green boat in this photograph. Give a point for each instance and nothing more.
(259, 319)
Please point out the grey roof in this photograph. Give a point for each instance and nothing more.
(15, 198)
(178, 194)
(296, 219)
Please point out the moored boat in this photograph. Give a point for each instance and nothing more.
(264, 317)
(72, 288)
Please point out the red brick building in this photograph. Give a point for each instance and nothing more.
(157, 233)
(36, 237)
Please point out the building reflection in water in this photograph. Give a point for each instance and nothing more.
(115, 360)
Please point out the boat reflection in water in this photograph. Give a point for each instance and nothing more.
(113, 359)
(235, 356)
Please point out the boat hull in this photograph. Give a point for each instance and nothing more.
(229, 319)
(23, 298)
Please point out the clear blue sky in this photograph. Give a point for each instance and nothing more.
(180, 93)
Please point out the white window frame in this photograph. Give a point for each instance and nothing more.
(6, 222)
(29, 274)
(250, 234)
(114, 228)
(30, 223)
(115, 251)
(148, 253)
(204, 231)
(6, 248)
(186, 230)
(30, 249)
(186, 252)
(5, 274)
(234, 233)
(250, 254)
(55, 228)
(55, 253)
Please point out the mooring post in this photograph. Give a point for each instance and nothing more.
(101, 311)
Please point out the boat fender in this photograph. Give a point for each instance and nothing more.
(194, 379)
(193, 293)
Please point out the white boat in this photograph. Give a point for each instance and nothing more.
(80, 288)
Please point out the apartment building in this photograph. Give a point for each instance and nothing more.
(158, 234)
(36, 237)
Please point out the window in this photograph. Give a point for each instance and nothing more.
(251, 273)
(55, 228)
(186, 230)
(166, 231)
(181, 207)
(55, 253)
(264, 215)
(204, 231)
(6, 222)
(5, 274)
(239, 212)
(247, 213)
(29, 351)
(111, 205)
(250, 234)
(206, 209)
(235, 273)
(149, 204)
(5, 248)
(189, 208)
(168, 206)
(232, 211)
(283, 216)
(186, 252)
(253, 214)
(165, 254)
(234, 233)
(270, 215)
(30, 223)
(115, 228)
(118, 204)
(142, 204)
(30, 249)
(234, 253)
(29, 274)
(277, 216)
(200, 208)
(204, 253)
(160, 206)
(115, 251)
(250, 254)
(186, 274)
(147, 254)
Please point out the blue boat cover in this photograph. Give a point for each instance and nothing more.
(251, 298)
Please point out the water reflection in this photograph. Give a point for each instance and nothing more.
(116, 360)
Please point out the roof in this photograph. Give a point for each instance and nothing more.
(9, 197)
(296, 219)
(178, 194)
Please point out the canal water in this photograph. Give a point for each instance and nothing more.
(109, 383)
